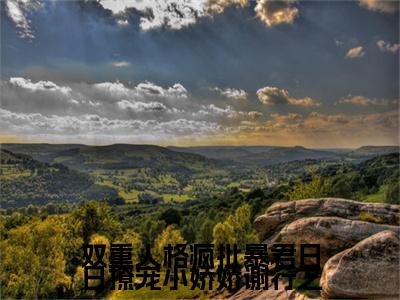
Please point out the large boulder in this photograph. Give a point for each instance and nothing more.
(370, 269)
(333, 234)
(282, 213)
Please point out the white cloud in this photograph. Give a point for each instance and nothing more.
(39, 86)
(116, 89)
(363, 101)
(388, 47)
(145, 110)
(155, 14)
(215, 111)
(178, 14)
(137, 106)
(92, 125)
(143, 89)
(276, 12)
(275, 96)
(385, 6)
(231, 93)
(177, 91)
(120, 64)
(356, 52)
(122, 23)
(172, 14)
(17, 11)
(118, 6)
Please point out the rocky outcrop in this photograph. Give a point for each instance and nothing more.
(331, 233)
(282, 213)
(359, 244)
(370, 269)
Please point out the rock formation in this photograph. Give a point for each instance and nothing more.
(282, 213)
(359, 244)
(370, 269)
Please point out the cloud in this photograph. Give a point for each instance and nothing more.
(177, 91)
(388, 47)
(288, 118)
(175, 14)
(231, 93)
(215, 111)
(276, 12)
(275, 96)
(17, 11)
(116, 89)
(106, 110)
(120, 64)
(385, 6)
(92, 125)
(255, 114)
(356, 52)
(363, 101)
(106, 98)
(38, 86)
(118, 7)
(142, 106)
(156, 14)
(172, 14)
(122, 23)
(323, 130)
(143, 89)
(218, 6)
(146, 112)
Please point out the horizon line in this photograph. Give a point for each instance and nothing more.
(197, 146)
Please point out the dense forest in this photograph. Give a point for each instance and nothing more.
(50, 208)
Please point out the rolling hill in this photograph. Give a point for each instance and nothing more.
(258, 155)
(25, 181)
(369, 151)
(116, 156)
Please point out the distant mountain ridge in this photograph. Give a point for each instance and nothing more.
(80, 156)
(262, 155)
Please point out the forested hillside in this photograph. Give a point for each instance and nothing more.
(150, 195)
(27, 181)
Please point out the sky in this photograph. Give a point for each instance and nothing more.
(322, 74)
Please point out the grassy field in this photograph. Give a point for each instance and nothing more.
(379, 196)
(131, 196)
(176, 197)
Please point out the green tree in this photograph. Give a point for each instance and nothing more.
(236, 229)
(392, 194)
(316, 188)
(95, 217)
(223, 234)
(171, 216)
(351, 185)
(33, 262)
(78, 283)
(170, 235)
(205, 233)
(133, 238)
